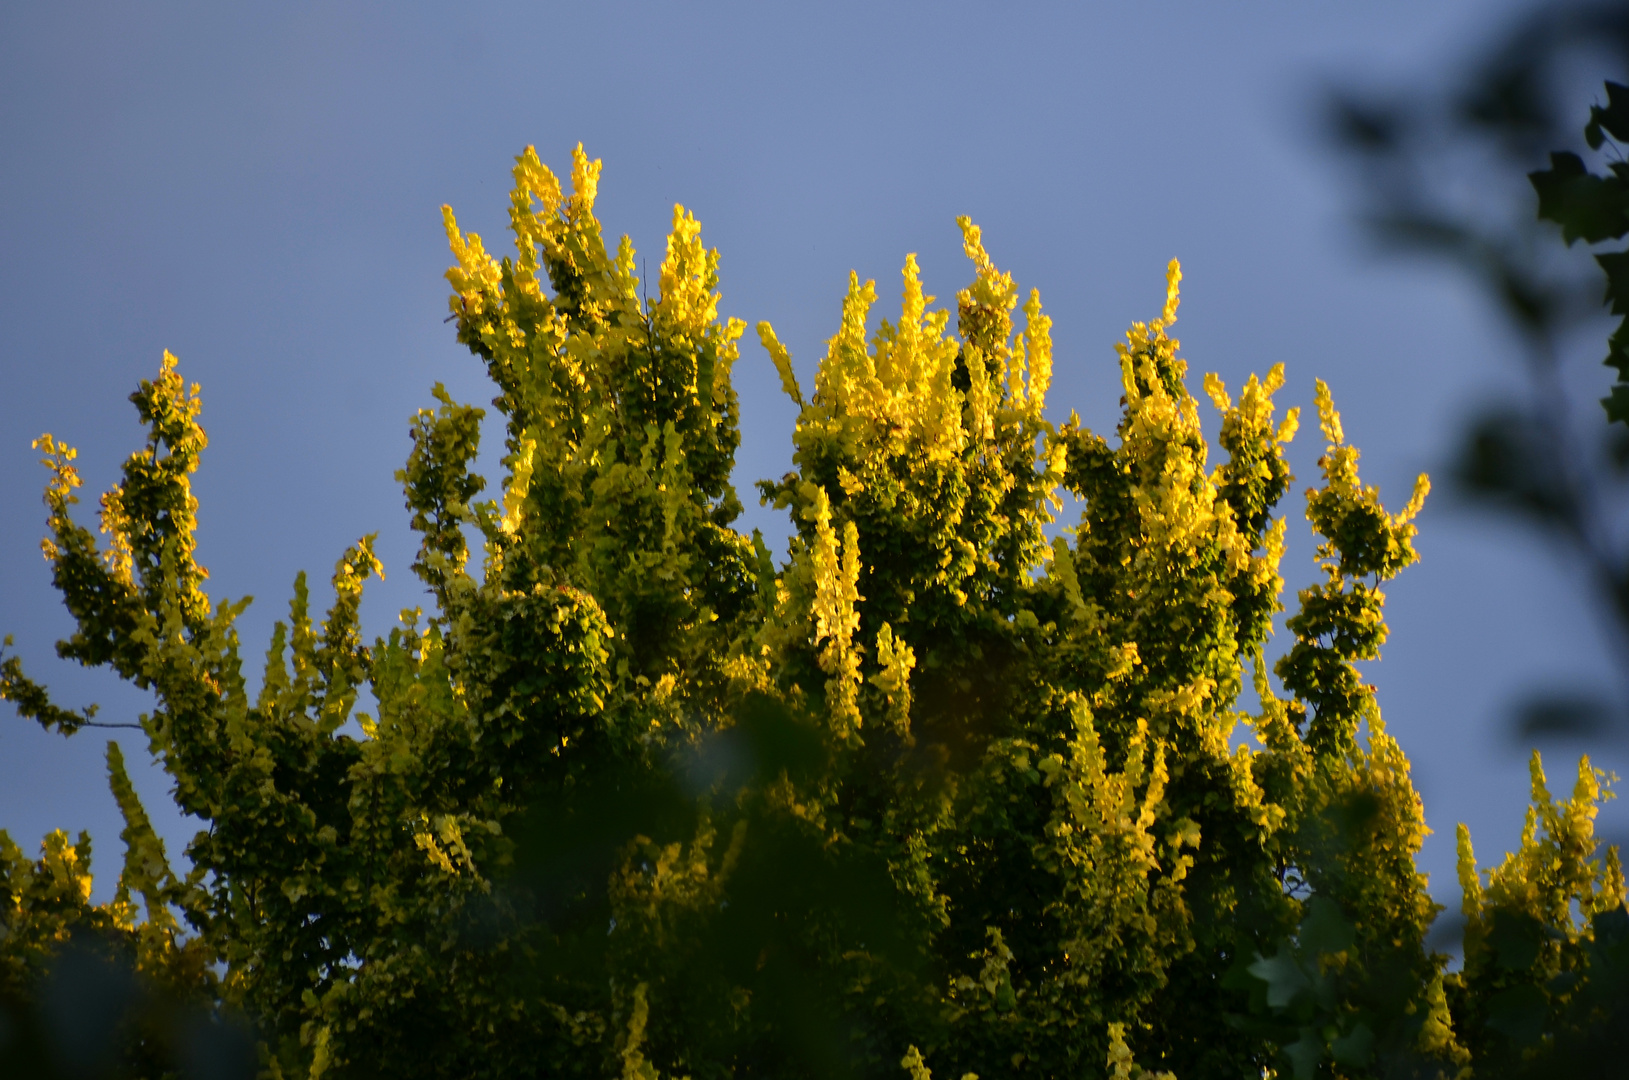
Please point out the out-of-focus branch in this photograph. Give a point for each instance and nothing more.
(1442, 173)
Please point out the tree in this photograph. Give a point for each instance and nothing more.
(938, 794)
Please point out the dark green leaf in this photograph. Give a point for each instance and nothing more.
(1325, 930)
(1305, 1053)
(1355, 1048)
(1516, 939)
(1519, 1014)
(1613, 119)
(1284, 977)
(1587, 207)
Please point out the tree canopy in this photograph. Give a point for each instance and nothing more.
(940, 793)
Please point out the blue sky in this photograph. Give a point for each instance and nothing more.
(256, 188)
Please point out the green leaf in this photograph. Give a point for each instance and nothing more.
(1284, 977)
(1305, 1053)
(1324, 930)
(1516, 938)
(1616, 266)
(1519, 1014)
(1355, 1048)
(1617, 402)
(1613, 120)
(1587, 207)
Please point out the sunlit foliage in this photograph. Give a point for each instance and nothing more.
(935, 794)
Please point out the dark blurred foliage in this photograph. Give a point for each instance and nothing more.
(1594, 208)
(1442, 172)
(90, 1015)
(785, 879)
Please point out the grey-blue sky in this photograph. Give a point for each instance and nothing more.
(256, 189)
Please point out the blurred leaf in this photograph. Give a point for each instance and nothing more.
(1575, 716)
(1507, 459)
(1516, 938)
(1284, 976)
(1354, 1049)
(1325, 930)
(95, 1018)
(1365, 126)
(1305, 1053)
(1519, 1014)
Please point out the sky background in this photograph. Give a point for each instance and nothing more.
(257, 189)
